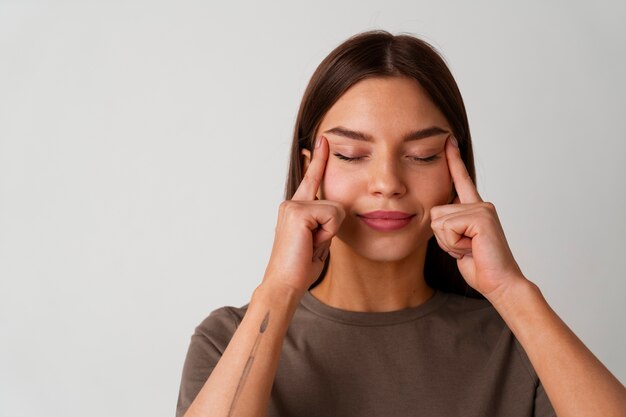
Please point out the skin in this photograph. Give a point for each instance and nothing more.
(382, 271)
(371, 270)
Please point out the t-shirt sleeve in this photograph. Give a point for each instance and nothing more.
(543, 406)
(206, 347)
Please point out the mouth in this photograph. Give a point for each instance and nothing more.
(382, 224)
(383, 214)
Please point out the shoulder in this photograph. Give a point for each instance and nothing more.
(482, 318)
(209, 341)
(473, 317)
(469, 308)
(221, 324)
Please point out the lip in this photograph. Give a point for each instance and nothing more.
(382, 214)
(386, 221)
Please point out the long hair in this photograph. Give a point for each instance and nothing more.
(378, 53)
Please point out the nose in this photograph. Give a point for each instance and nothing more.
(385, 178)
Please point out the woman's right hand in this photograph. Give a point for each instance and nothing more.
(304, 230)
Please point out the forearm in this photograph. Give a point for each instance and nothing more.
(576, 382)
(241, 382)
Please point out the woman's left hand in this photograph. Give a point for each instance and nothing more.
(469, 230)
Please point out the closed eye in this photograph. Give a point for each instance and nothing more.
(428, 159)
(413, 158)
(345, 158)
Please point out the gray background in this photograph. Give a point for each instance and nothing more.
(143, 154)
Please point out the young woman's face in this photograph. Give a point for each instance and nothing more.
(389, 172)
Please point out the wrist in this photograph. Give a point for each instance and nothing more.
(278, 294)
(510, 294)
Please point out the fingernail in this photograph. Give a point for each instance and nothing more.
(454, 142)
(318, 141)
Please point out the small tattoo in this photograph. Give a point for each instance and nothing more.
(264, 323)
(246, 369)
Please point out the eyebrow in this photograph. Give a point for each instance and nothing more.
(414, 135)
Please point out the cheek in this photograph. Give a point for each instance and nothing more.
(433, 187)
(443, 177)
(339, 185)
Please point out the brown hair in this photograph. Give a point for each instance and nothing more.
(378, 53)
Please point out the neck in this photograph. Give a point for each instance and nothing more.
(355, 283)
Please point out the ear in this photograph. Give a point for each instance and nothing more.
(305, 156)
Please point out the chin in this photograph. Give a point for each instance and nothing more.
(384, 249)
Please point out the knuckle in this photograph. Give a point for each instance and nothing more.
(340, 212)
(334, 207)
(288, 206)
(283, 205)
(489, 206)
(339, 209)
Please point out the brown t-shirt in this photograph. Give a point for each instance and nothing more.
(449, 356)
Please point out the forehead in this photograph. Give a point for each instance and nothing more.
(381, 106)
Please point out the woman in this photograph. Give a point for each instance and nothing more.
(391, 289)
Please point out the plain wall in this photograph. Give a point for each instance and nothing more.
(143, 156)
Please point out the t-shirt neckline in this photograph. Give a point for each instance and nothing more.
(366, 318)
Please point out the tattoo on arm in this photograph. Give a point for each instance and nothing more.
(246, 369)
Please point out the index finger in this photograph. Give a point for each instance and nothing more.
(463, 183)
(314, 173)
